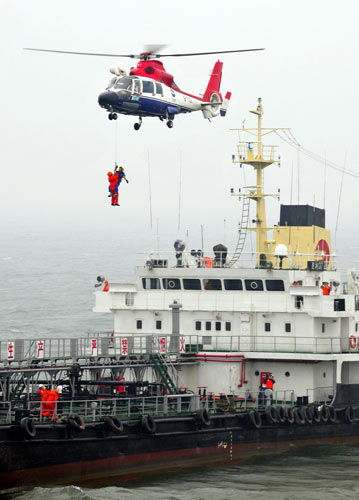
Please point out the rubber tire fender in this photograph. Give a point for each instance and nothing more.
(280, 414)
(289, 413)
(332, 416)
(349, 414)
(315, 414)
(76, 422)
(114, 424)
(271, 415)
(299, 415)
(148, 424)
(308, 415)
(203, 417)
(28, 427)
(324, 413)
(255, 419)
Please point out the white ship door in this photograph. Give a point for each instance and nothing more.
(245, 332)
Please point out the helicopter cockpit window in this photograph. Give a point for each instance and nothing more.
(124, 84)
(136, 86)
(147, 87)
(112, 83)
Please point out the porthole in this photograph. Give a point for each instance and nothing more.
(256, 373)
(287, 374)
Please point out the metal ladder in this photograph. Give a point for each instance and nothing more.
(243, 228)
(162, 370)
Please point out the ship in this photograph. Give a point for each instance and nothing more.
(182, 380)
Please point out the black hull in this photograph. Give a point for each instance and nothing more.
(60, 456)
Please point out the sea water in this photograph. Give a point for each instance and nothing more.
(47, 280)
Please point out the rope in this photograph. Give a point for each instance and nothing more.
(290, 139)
(340, 197)
(149, 185)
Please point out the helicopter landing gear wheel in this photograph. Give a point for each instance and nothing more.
(112, 116)
(137, 126)
(169, 124)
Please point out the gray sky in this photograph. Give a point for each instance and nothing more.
(57, 143)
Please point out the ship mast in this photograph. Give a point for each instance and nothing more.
(259, 156)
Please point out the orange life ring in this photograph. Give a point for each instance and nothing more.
(353, 341)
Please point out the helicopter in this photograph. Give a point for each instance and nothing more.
(149, 91)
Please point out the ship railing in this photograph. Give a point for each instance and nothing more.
(98, 347)
(121, 407)
(207, 259)
(247, 400)
(321, 395)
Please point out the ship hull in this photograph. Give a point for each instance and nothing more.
(93, 457)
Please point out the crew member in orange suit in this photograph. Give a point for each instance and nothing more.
(114, 180)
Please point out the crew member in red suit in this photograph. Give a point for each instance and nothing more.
(114, 180)
(106, 287)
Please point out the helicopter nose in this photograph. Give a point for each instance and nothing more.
(107, 99)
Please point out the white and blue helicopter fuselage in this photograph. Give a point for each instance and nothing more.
(131, 95)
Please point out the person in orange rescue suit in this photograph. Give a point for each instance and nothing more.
(326, 289)
(115, 179)
(50, 403)
(106, 287)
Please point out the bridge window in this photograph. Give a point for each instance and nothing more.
(288, 327)
(275, 285)
(139, 324)
(228, 326)
(151, 283)
(159, 89)
(212, 284)
(267, 327)
(198, 325)
(323, 327)
(218, 326)
(233, 284)
(147, 87)
(208, 326)
(158, 324)
(171, 284)
(192, 284)
(254, 285)
(298, 301)
(339, 304)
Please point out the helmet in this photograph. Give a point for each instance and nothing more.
(106, 281)
(122, 169)
(109, 173)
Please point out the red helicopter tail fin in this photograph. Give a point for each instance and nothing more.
(214, 83)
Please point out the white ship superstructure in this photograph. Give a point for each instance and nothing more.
(288, 314)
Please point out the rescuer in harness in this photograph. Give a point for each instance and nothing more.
(115, 180)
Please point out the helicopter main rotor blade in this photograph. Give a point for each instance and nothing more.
(133, 56)
(204, 53)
